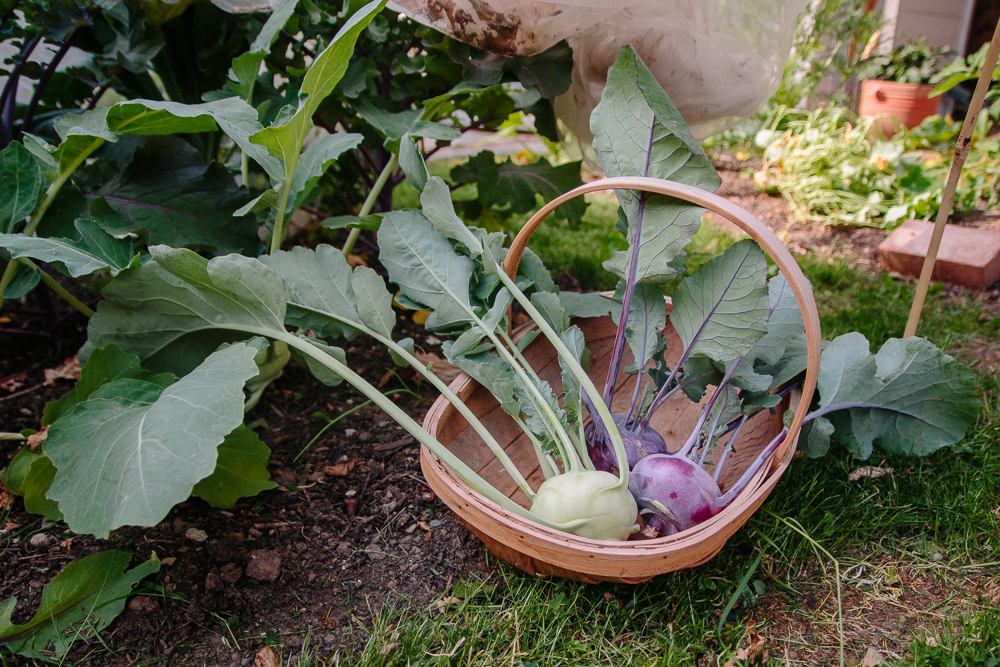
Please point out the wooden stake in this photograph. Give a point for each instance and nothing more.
(961, 152)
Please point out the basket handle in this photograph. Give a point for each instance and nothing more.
(745, 221)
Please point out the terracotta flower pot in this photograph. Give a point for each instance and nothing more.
(906, 103)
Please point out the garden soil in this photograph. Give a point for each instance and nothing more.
(351, 529)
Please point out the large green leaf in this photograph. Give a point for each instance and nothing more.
(82, 134)
(315, 161)
(148, 308)
(435, 200)
(93, 251)
(133, 450)
(169, 192)
(285, 141)
(22, 185)
(232, 115)
(427, 269)
(396, 125)
(317, 283)
(721, 310)
(411, 162)
(646, 319)
(240, 471)
(639, 132)
(508, 186)
(910, 397)
(79, 602)
(784, 324)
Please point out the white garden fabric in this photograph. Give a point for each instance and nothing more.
(718, 60)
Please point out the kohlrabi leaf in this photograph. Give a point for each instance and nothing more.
(588, 304)
(104, 365)
(271, 359)
(699, 373)
(792, 362)
(532, 268)
(93, 251)
(240, 471)
(572, 338)
(815, 438)
(151, 307)
(284, 141)
(639, 132)
(534, 417)
(133, 450)
(82, 134)
(549, 306)
(494, 374)
(314, 162)
(411, 162)
(23, 185)
(910, 397)
(784, 324)
(374, 301)
(35, 487)
(78, 603)
(180, 202)
(231, 115)
(721, 310)
(422, 262)
(512, 187)
(435, 200)
(469, 340)
(318, 289)
(319, 370)
(646, 319)
(275, 24)
(26, 278)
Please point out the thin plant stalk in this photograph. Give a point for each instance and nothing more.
(370, 200)
(54, 285)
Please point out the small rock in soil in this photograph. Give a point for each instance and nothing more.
(230, 573)
(213, 582)
(142, 604)
(196, 535)
(264, 565)
(41, 541)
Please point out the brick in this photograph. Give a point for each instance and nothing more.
(968, 256)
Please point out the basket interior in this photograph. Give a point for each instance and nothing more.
(674, 420)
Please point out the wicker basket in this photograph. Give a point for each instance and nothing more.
(543, 551)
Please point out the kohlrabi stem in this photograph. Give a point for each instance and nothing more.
(693, 438)
(581, 441)
(635, 398)
(728, 496)
(711, 431)
(412, 427)
(278, 233)
(53, 285)
(573, 364)
(619, 348)
(43, 206)
(729, 447)
(370, 200)
(442, 387)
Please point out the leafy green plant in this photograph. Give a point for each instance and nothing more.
(79, 602)
(912, 62)
(828, 166)
(963, 70)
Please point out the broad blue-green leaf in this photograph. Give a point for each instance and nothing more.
(319, 370)
(784, 324)
(35, 486)
(494, 374)
(231, 115)
(315, 161)
(639, 132)
(436, 203)
(551, 309)
(646, 319)
(411, 162)
(240, 471)
(572, 338)
(81, 135)
(25, 279)
(534, 417)
(815, 439)
(275, 24)
(396, 125)
(168, 191)
(78, 603)
(468, 341)
(421, 261)
(721, 310)
(285, 140)
(13, 475)
(589, 304)
(317, 284)
(22, 185)
(374, 301)
(104, 365)
(129, 453)
(532, 268)
(93, 251)
(150, 307)
(910, 397)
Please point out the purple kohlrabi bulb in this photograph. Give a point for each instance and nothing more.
(677, 492)
(638, 445)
